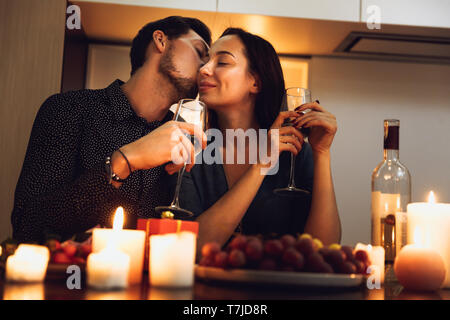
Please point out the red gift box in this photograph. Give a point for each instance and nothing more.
(163, 226)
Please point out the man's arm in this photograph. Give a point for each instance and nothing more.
(53, 194)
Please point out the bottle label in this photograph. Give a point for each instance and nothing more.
(391, 135)
(384, 207)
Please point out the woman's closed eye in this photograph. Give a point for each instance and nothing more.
(223, 62)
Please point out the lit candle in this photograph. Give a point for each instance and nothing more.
(109, 268)
(419, 268)
(172, 259)
(376, 257)
(131, 242)
(28, 263)
(24, 291)
(432, 220)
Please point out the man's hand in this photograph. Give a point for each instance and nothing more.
(167, 143)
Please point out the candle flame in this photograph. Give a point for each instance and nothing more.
(118, 219)
(431, 197)
(398, 202)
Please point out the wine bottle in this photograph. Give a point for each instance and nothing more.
(391, 192)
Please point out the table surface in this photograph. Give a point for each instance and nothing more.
(55, 288)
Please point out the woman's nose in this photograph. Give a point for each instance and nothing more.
(206, 69)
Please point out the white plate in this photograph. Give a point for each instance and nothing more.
(306, 279)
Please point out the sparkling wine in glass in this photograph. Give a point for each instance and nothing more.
(293, 98)
(194, 112)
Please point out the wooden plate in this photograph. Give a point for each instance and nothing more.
(304, 279)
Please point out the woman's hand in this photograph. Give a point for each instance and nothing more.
(280, 139)
(290, 139)
(322, 124)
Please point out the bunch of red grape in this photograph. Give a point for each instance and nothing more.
(285, 253)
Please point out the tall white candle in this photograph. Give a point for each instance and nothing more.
(429, 227)
(172, 259)
(131, 242)
(28, 263)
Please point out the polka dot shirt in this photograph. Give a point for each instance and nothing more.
(63, 187)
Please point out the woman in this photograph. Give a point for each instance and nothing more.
(242, 85)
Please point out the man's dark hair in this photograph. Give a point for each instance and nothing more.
(173, 27)
(264, 63)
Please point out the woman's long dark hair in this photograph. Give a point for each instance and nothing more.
(263, 63)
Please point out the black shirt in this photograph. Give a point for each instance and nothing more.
(268, 213)
(63, 188)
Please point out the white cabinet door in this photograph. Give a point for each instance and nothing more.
(426, 13)
(342, 10)
(203, 5)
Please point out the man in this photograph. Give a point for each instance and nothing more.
(91, 151)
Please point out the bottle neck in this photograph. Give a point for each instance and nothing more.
(391, 140)
(391, 154)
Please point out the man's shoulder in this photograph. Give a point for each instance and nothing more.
(79, 96)
(75, 102)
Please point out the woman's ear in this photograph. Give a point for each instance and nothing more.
(160, 40)
(256, 85)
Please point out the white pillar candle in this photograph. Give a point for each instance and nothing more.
(28, 263)
(131, 242)
(429, 227)
(376, 257)
(172, 259)
(108, 269)
(24, 291)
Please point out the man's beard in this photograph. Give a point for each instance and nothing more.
(184, 87)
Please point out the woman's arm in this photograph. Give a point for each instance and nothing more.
(219, 221)
(217, 226)
(323, 220)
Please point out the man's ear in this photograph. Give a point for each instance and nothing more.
(160, 40)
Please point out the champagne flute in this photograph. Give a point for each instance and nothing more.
(293, 98)
(194, 112)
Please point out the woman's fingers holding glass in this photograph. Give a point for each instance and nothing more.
(325, 120)
(310, 105)
(288, 147)
(282, 117)
(293, 141)
(291, 131)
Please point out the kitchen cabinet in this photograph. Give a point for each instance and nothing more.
(203, 5)
(430, 13)
(340, 10)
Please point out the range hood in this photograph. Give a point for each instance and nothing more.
(396, 46)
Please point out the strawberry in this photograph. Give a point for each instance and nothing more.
(61, 257)
(78, 260)
(69, 248)
(85, 249)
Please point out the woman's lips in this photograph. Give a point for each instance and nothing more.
(204, 86)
